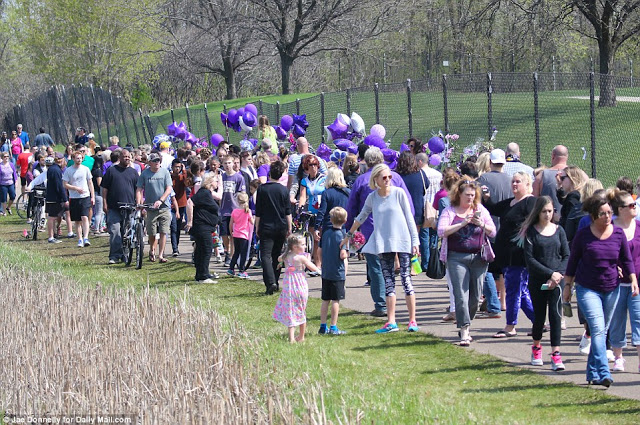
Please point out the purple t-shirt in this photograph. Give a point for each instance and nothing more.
(634, 248)
(6, 176)
(231, 185)
(468, 239)
(263, 170)
(594, 262)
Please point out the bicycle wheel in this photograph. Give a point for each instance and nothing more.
(140, 245)
(35, 223)
(127, 245)
(308, 238)
(22, 204)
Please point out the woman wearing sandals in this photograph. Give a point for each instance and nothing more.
(463, 226)
(596, 253)
(546, 252)
(625, 209)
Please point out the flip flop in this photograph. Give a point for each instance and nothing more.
(162, 260)
(505, 334)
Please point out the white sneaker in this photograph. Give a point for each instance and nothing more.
(585, 345)
(208, 281)
(618, 365)
(80, 243)
(610, 355)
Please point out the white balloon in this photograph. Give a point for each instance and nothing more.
(344, 119)
(357, 123)
(244, 126)
(328, 134)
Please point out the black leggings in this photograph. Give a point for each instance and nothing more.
(540, 300)
(240, 248)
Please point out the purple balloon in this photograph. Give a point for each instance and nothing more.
(281, 133)
(250, 107)
(390, 155)
(346, 145)
(216, 139)
(286, 122)
(182, 125)
(324, 151)
(436, 144)
(435, 160)
(224, 119)
(393, 164)
(404, 147)
(338, 130)
(233, 116)
(249, 119)
(181, 133)
(171, 129)
(254, 142)
(376, 141)
(240, 112)
(301, 120)
(298, 131)
(236, 127)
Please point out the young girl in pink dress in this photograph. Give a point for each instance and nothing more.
(292, 305)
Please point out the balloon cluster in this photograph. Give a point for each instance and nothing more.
(180, 131)
(241, 119)
(345, 127)
(291, 126)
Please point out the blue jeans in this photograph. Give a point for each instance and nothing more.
(427, 237)
(618, 326)
(115, 226)
(597, 307)
(491, 293)
(516, 285)
(376, 281)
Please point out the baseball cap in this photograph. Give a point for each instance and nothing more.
(165, 145)
(59, 155)
(497, 156)
(155, 157)
(91, 136)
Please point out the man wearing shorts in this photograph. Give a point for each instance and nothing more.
(57, 201)
(23, 161)
(155, 186)
(232, 184)
(77, 180)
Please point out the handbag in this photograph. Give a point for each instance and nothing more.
(436, 269)
(430, 213)
(486, 251)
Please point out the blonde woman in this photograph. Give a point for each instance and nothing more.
(394, 233)
(576, 214)
(509, 254)
(351, 169)
(336, 194)
(483, 163)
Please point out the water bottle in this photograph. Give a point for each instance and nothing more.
(415, 265)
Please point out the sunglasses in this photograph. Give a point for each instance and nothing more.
(563, 177)
(386, 177)
(632, 205)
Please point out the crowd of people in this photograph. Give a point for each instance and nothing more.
(511, 237)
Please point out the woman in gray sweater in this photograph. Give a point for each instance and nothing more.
(394, 233)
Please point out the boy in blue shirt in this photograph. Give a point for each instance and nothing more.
(333, 271)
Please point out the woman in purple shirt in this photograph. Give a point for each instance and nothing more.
(624, 207)
(596, 253)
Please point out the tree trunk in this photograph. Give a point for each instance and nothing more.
(607, 83)
(229, 79)
(286, 62)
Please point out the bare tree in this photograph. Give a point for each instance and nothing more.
(301, 28)
(209, 36)
(613, 22)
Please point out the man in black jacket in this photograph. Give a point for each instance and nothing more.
(273, 224)
(57, 200)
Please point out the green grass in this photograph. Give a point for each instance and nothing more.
(398, 378)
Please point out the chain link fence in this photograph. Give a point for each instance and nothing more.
(538, 111)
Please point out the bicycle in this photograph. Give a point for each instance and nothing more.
(38, 219)
(133, 232)
(22, 205)
(304, 219)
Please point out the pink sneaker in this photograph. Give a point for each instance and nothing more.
(536, 356)
(556, 361)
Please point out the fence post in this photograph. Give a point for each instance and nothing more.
(69, 115)
(144, 133)
(124, 121)
(446, 103)
(489, 105)
(186, 108)
(349, 102)
(536, 116)
(631, 70)
(135, 124)
(224, 108)
(206, 118)
(260, 107)
(113, 111)
(553, 70)
(173, 118)
(106, 112)
(147, 120)
(297, 106)
(592, 107)
(98, 114)
(322, 115)
(376, 93)
(278, 111)
(409, 109)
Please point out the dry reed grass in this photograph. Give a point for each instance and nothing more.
(66, 348)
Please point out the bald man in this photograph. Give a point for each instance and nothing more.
(514, 162)
(546, 182)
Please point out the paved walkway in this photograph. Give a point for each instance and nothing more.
(432, 298)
